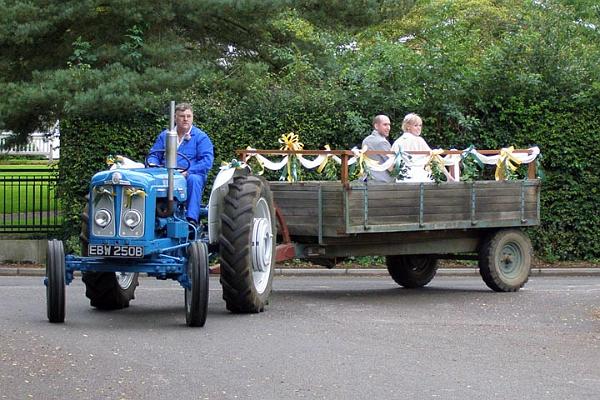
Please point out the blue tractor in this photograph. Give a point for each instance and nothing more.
(135, 223)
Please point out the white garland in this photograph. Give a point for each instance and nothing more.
(414, 162)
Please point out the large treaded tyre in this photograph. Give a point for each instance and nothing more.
(505, 260)
(110, 290)
(55, 284)
(106, 290)
(247, 244)
(412, 271)
(196, 297)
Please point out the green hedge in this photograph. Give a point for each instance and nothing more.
(569, 228)
(498, 75)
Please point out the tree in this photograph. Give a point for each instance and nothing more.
(88, 58)
(482, 72)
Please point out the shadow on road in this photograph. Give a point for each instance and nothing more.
(384, 293)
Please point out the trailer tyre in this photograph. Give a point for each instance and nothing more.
(247, 244)
(55, 281)
(505, 260)
(196, 297)
(106, 290)
(412, 271)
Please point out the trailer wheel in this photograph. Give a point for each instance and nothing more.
(55, 284)
(106, 290)
(247, 244)
(196, 297)
(505, 260)
(413, 271)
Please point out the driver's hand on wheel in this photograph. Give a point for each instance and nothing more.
(184, 173)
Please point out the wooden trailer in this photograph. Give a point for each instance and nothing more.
(412, 224)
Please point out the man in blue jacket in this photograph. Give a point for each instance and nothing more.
(196, 145)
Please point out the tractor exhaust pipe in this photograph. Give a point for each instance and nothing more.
(171, 161)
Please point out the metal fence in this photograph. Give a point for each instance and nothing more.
(28, 201)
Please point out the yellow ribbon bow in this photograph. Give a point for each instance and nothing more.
(507, 160)
(361, 160)
(100, 192)
(290, 141)
(435, 157)
(324, 163)
(110, 160)
(130, 193)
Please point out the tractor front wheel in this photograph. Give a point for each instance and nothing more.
(55, 281)
(196, 297)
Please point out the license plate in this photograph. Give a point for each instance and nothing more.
(109, 250)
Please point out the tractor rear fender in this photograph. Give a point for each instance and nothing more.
(215, 203)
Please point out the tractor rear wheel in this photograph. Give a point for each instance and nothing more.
(106, 290)
(412, 271)
(110, 290)
(247, 244)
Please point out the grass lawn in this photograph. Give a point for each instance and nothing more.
(26, 169)
(27, 188)
(33, 219)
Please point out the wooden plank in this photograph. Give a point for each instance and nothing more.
(379, 220)
(303, 203)
(413, 192)
(444, 217)
(498, 215)
(412, 237)
(311, 212)
(502, 200)
(293, 196)
(300, 226)
(391, 212)
(293, 189)
(386, 211)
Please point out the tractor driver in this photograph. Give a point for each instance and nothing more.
(197, 147)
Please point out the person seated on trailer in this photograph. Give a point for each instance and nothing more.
(195, 145)
(377, 140)
(411, 140)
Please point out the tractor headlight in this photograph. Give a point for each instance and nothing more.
(132, 218)
(102, 218)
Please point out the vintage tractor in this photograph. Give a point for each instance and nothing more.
(134, 222)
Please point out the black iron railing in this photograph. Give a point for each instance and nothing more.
(28, 201)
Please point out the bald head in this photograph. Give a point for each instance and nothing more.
(382, 124)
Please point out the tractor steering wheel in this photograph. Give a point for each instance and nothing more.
(180, 169)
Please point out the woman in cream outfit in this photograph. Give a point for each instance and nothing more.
(411, 140)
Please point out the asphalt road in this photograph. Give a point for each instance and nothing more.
(321, 338)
